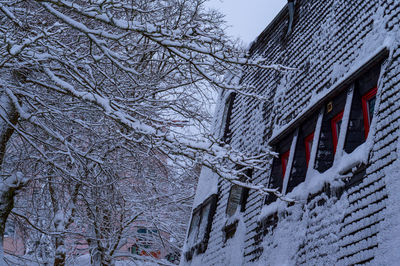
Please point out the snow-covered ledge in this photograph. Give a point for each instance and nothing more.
(342, 169)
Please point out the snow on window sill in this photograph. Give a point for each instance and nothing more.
(342, 169)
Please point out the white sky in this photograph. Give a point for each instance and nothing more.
(248, 17)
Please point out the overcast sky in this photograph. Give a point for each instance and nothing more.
(248, 17)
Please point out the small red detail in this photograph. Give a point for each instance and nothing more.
(308, 141)
(284, 162)
(335, 125)
(365, 100)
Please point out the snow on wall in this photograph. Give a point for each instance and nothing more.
(282, 243)
(389, 239)
(234, 247)
(207, 186)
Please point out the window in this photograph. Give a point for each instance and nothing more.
(291, 8)
(330, 132)
(302, 153)
(234, 199)
(353, 105)
(336, 123)
(237, 202)
(362, 109)
(204, 221)
(200, 227)
(226, 120)
(368, 105)
(194, 227)
(238, 195)
(301, 141)
(284, 162)
(9, 230)
(280, 164)
(134, 249)
(146, 237)
(173, 257)
(308, 142)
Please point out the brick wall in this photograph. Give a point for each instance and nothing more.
(330, 39)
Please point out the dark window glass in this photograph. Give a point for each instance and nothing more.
(330, 128)
(205, 213)
(234, 200)
(200, 227)
(308, 142)
(279, 166)
(238, 195)
(284, 162)
(368, 104)
(336, 124)
(355, 133)
(194, 227)
(371, 108)
(142, 231)
(302, 153)
(362, 109)
(134, 249)
(227, 117)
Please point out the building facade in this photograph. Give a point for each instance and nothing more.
(333, 120)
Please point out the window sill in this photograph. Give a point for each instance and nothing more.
(267, 224)
(343, 168)
(199, 248)
(230, 229)
(343, 174)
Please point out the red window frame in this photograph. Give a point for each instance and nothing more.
(367, 119)
(335, 130)
(284, 162)
(307, 141)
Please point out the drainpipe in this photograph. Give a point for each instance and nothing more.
(291, 15)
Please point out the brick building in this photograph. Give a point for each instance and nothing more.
(334, 121)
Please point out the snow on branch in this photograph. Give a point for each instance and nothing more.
(203, 55)
(210, 48)
(178, 145)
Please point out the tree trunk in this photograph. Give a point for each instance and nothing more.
(60, 255)
(7, 203)
(99, 256)
(59, 226)
(7, 111)
(11, 184)
(62, 223)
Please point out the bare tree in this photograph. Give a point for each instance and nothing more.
(92, 90)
